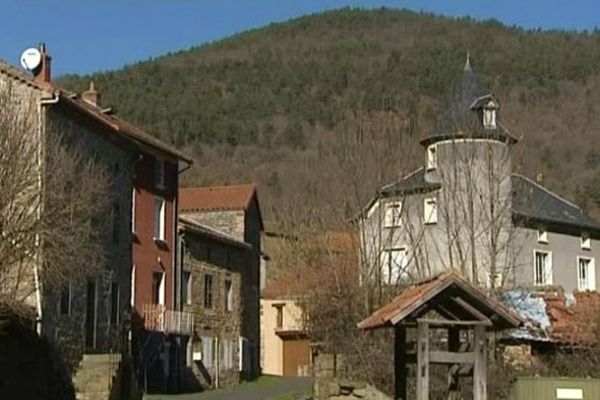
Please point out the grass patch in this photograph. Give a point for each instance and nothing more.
(299, 394)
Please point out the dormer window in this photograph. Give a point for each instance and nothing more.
(431, 157)
(489, 115)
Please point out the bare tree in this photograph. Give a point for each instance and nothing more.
(53, 205)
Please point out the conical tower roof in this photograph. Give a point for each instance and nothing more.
(460, 117)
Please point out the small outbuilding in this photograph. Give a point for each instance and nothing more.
(461, 315)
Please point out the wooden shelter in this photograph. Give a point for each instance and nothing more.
(445, 302)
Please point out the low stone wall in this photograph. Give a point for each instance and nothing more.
(329, 385)
(348, 390)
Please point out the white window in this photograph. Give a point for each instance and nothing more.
(542, 268)
(542, 235)
(489, 118)
(133, 210)
(187, 287)
(586, 273)
(430, 210)
(159, 219)
(228, 295)
(158, 288)
(586, 242)
(395, 264)
(431, 157)
(159, 173)
(207, 351)
(227, 354)
(392, 215)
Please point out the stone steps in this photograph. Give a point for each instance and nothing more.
(94, 377)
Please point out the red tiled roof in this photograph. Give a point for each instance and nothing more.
(421, 293)
(234, 197)
(117, 125)
(277, 289)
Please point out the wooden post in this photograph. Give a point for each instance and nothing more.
(400, 363)
(453, 346)
(422, 361)
(480, 365)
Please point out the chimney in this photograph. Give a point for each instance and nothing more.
(91, 95)
(43, 72)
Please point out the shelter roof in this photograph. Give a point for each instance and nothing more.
(448, 294)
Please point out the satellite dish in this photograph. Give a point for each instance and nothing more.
(31, 59)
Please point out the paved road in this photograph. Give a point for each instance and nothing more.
(280, 387)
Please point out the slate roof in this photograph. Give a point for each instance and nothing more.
(194, 227)
(117, 125)
(536, 203)
(459, 119)
(440, 290)
(411, 183)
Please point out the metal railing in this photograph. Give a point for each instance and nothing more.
(157, 318)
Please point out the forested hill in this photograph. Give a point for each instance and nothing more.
(277, 104)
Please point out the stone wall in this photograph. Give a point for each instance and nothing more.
(222, 262)
(69, 330)
(329, 385)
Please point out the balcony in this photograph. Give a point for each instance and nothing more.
(158, 319)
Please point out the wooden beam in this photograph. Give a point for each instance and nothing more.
(422, 360)
(480, 365)
(447, 322)
(446, 357)
(453, 376)
(472, 310)
(400, 363)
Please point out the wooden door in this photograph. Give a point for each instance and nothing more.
(296, 353)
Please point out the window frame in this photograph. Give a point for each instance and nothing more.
(586, 241)
(430, 219)
(542, 235)
(208, 302)
(393, 208)
(394, 274)
(160, 219)
(548, 268)
(187, 284)
(431, 163)
(228, 295)
(159, 289)
(590, 272)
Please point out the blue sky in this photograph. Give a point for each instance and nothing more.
(85, 36)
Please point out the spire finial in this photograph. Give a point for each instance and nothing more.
(468, 62)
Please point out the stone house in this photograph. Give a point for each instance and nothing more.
(91, 315)
(83, 317)
(215, 265)
(466, 209)
(234, 211)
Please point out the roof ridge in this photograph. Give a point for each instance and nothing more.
(216, 187)
(211, 229)
(548, 191)
(139, 134)
(405, 177)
